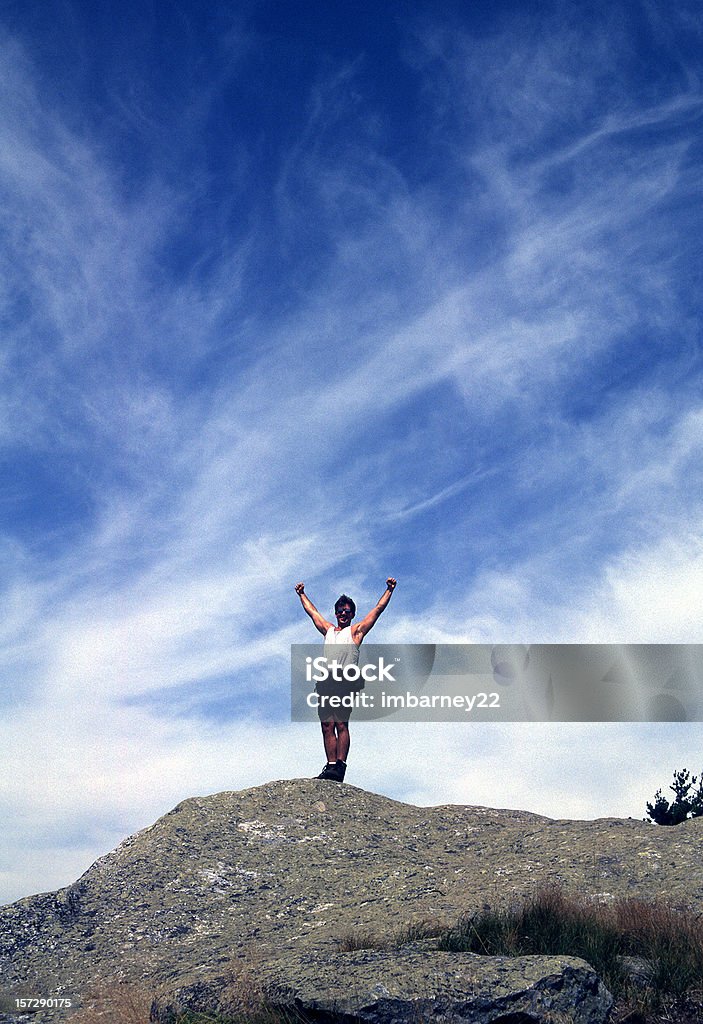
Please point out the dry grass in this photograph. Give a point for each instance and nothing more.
(123, 1003)
(115, 1003)
(240, 1000)
(428, 928)
(666, 942)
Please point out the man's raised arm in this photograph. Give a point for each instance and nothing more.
(322, 624)
(368, 622)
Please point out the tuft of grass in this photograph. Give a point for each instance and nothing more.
(428, 928)
(672, 940)
(415, 931)
(549, 924)
(241, 1002)
(357, 939)
(666, 943)
(669, 941)
(116, 1003)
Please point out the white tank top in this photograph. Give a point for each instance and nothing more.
(341, 638)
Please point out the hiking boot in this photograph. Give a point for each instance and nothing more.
(341, 767)
(327, 771)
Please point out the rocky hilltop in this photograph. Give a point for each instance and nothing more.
(283, 871)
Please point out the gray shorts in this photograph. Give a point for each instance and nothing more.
(328, 712)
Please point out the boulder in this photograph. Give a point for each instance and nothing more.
(406, 985)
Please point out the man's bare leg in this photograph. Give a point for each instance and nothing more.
(343, 740)
(335, 736)
(329, 738)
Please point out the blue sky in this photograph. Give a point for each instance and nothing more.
(331, 292)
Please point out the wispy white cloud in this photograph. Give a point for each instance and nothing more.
(419, 405)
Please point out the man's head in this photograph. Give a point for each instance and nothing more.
(344, 609)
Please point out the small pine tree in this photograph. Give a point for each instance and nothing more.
(686, 805)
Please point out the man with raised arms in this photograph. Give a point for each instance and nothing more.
(346, 637)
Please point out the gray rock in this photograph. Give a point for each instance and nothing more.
(265, 875)
(407, 985)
